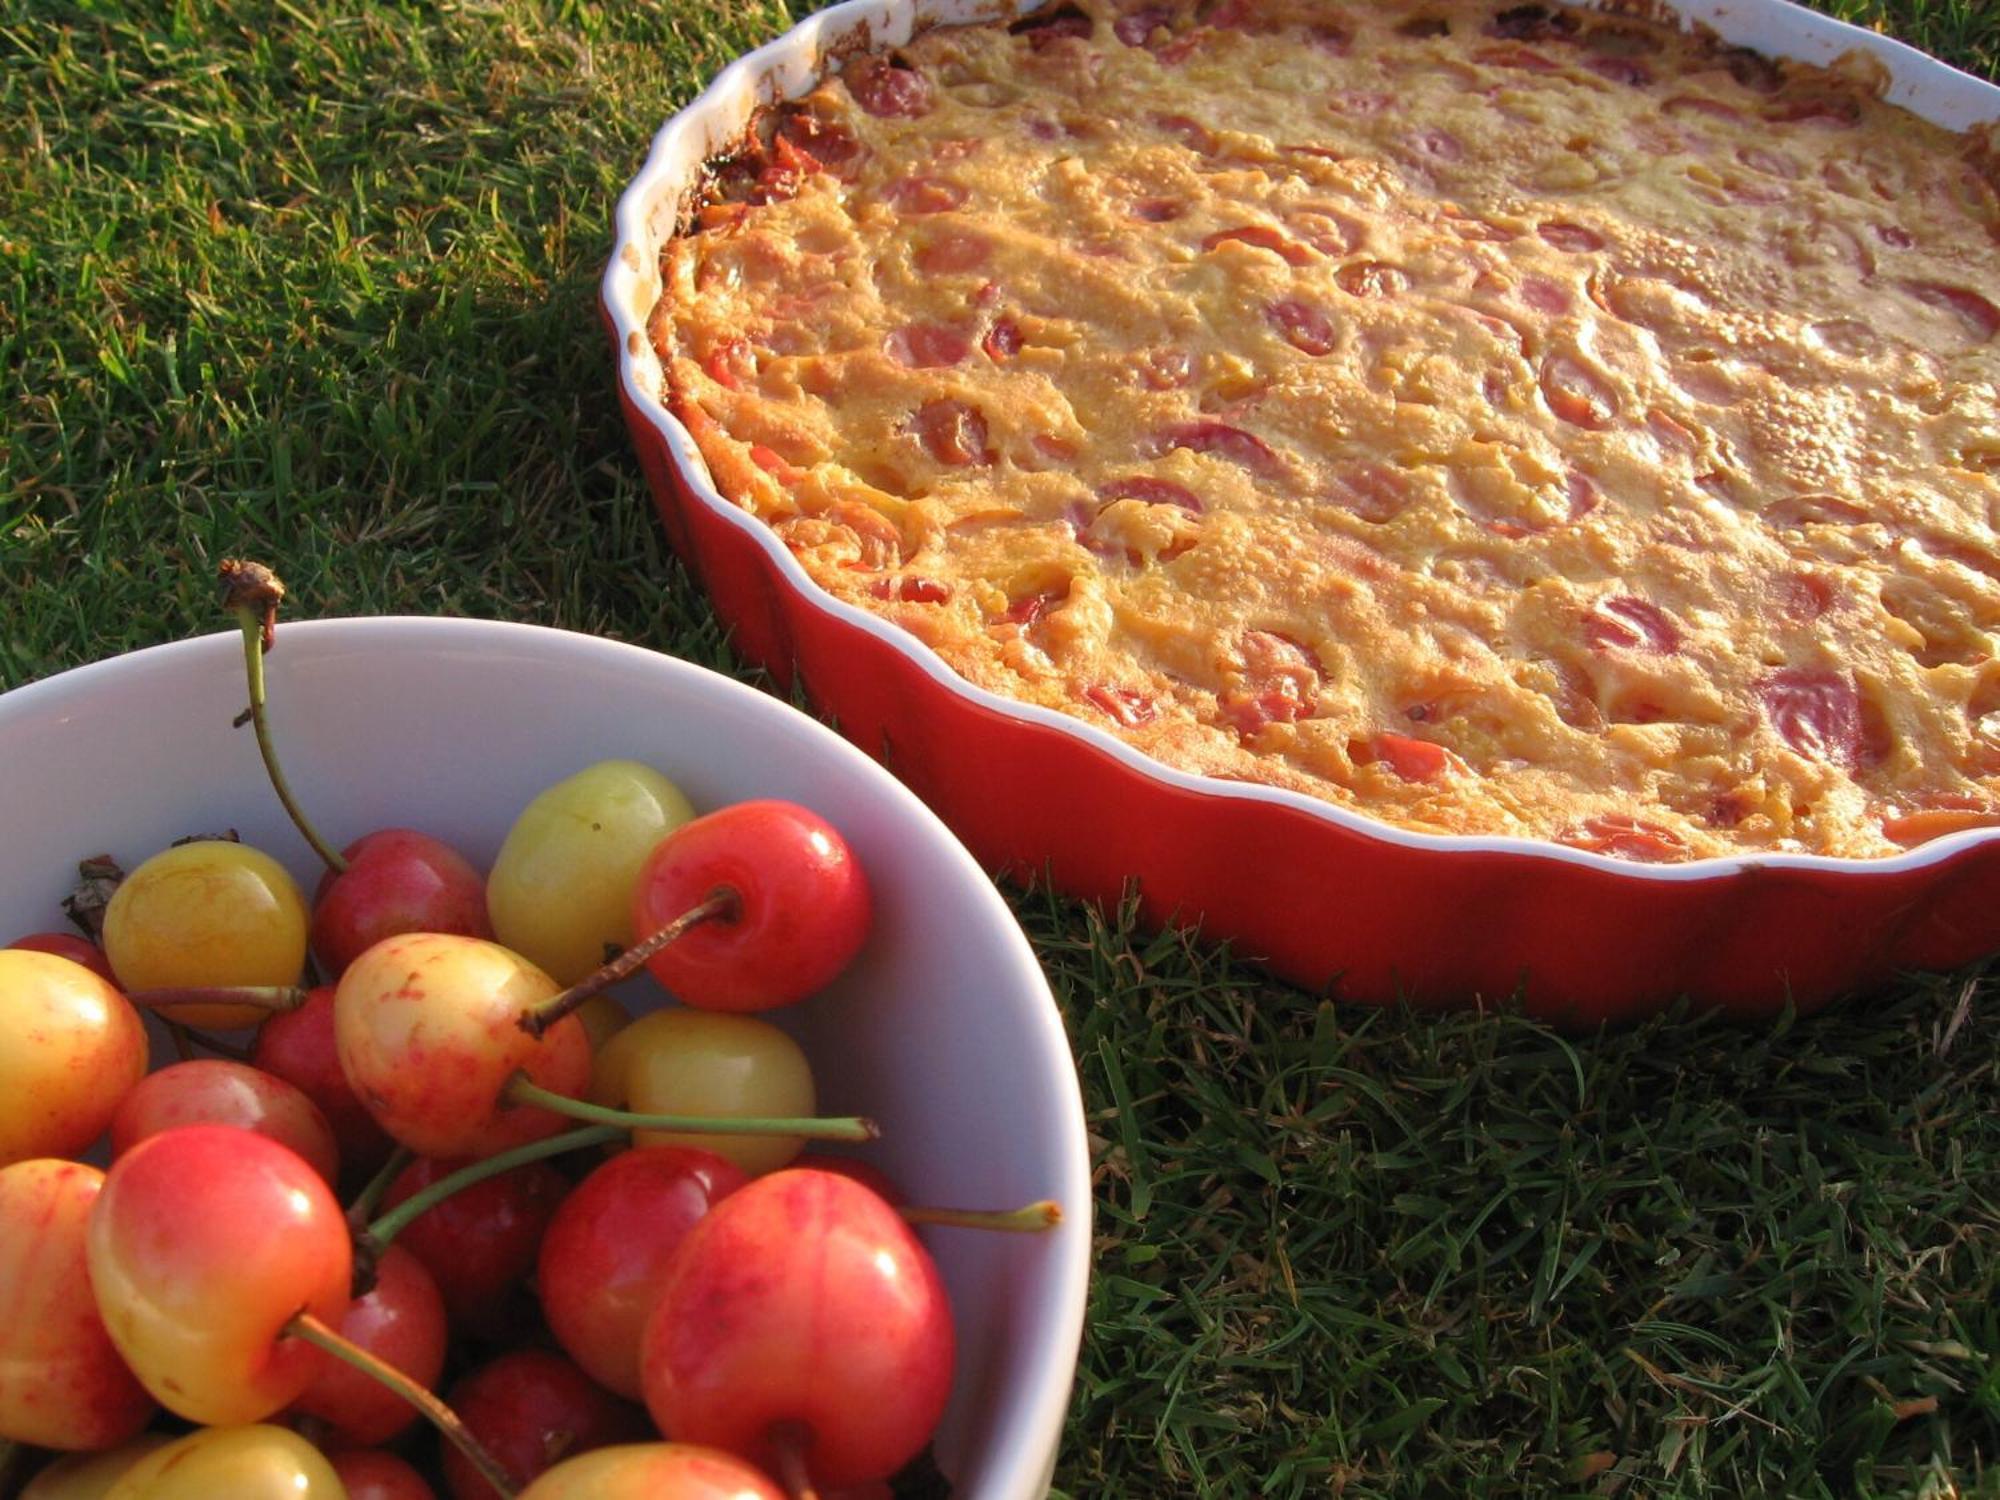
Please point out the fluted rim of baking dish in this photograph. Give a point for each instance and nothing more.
(712, 123)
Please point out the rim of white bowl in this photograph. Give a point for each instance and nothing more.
(787, 66)
(1045, 1390)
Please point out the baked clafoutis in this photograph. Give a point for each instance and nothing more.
(1494, 419)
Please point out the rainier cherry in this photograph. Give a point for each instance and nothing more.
(797, 912)
(428, 1026)
(653, 1471)
(801, 1324)
(479, 1244)
(62, 1384)
(298, 1046)
(244, 1463)
(530, 1408)
(401, 1322)
(205, 1244)
(691, 1062)
(561, 886)
(207, 914)
(607, 1248)
(70, 1046)
(394, 880)
(216, 1091)
(90, 1476)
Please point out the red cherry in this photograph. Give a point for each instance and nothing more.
(204, 1245)
(401, 1322)
(801, 906)
(370, 1474)
(532, 1409)
(606, 1251)
(216, 1091)
(802, 1310)
(298, 1046)
(479, 1244)
(77, 950)
(396, 881)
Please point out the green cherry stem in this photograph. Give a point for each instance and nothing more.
(397, 1219)
(362, 1209)
(266, 997)
(723, 904)
(305, 1326)
(251, 593)
(838, 1128)
(1032, 1219)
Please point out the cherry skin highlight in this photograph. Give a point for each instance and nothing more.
(802, 1305)
(62, 1383)
(653, 1471)
(531, 1409)
(396, 881)
(401, 1322)
(607, 1249)
(216, 1091)
(298, 1046)
(802, 906)
(428, 1030)
(204, 1244)
(70, 1047)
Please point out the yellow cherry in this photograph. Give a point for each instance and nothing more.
(211, 912)
(561, 889)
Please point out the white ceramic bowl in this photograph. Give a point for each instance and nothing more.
(944, 1031)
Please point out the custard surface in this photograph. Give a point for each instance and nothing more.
(1496, 419)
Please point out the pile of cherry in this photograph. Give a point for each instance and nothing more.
(668, 1301)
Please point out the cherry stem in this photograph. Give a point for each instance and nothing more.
(274, 998)
(520, 1090)
(362, 1209)
(305, 1326)
(789, 1441)
(253, 666)
(183, 1045)
(397, 1219)
(723, 904)
(1032, 1219)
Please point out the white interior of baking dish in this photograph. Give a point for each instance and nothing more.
(792, 65)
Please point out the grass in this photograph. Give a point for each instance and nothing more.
(315, 282)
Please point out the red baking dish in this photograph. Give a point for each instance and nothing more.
(1334, 901)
